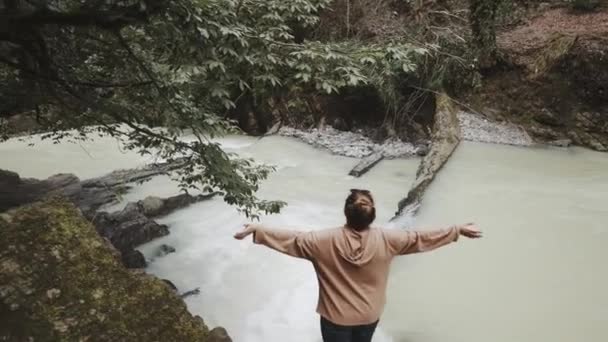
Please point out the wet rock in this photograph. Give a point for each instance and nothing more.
(594, 140)
(587, 120)
(133, 259)
(219, 334)
(591, 130)
(422, 151)
(133, 226)
(128, 228)
(164, 250)
(544, 133)
(151, 205)
(561, 142)
(595, 143)
(75, 291)
(16, 191)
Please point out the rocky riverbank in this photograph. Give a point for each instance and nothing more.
(350, 144)
(60, 281)
(79, 252)
(125, 229)
(474, 127)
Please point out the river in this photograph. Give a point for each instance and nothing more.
(539, 273)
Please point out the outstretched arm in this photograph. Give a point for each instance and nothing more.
(406, 242)
(290, 242)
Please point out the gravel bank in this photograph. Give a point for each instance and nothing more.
(350, 144)
(478, 128)
(356, 145)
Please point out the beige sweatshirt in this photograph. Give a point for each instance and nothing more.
(352, 267)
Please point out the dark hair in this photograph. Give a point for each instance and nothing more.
(356, 217)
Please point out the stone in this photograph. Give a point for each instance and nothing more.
(133, 226)
(595, 141)
(585, 120)
(164, 250)
(152, 205)
(16, 191)
(561, 142)
(422, 151)
(219, 334)
(53, 293)
(544, 132)
(133, 259)
(596, 145)
(128, 228)
(547, 117)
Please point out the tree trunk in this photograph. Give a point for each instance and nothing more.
(482, 20)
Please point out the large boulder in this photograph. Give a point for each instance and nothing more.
(16, 191)
(59, 281)
(128, 228)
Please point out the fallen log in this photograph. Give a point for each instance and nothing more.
(445, 138)
(366, 164)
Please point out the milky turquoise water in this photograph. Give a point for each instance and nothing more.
(539, 273)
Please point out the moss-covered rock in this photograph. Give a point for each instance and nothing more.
(59, 281)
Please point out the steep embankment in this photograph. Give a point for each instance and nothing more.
(556, 85)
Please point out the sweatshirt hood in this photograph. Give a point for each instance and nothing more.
(354, 246)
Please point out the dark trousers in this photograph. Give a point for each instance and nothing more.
(340, 333)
